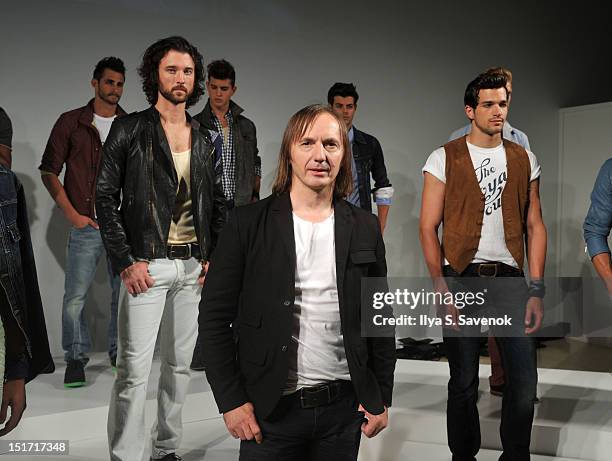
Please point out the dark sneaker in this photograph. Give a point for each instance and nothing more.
(113, 362)
(75, 374)
(169, 457)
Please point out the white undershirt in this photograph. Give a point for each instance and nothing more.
(317, 349)
(103, 125)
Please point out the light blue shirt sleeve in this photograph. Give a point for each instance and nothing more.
(520, 138)
(460, 132)
(598, 220)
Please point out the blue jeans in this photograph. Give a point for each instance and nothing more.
(518, 357)
(83, 253)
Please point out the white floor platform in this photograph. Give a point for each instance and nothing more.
(573, 421)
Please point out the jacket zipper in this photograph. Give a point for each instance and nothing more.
(150, 147)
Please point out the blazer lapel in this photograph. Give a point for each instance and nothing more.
(283, 218)
(342, 234)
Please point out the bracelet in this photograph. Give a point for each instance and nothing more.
(536, 289)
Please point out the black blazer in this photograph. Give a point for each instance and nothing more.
(252, 276)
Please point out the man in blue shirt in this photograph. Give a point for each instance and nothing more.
(598, 222)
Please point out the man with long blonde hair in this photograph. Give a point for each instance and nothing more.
(302, 383)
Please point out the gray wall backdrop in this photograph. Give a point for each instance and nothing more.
(410, 62)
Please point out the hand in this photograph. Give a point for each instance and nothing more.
(449, 310)
(374, 423)
(241, 423)
(608, 284)
(136, 278)
(534, 315)
(80, 221)
(13, 396)
(202, 275)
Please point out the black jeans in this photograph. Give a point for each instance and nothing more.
(518, 354)
(291, 433)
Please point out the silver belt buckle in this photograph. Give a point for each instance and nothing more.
(480, 266)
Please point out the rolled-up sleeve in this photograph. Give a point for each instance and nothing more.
(383, 196)
(57, 148)
(598, 220)
(383, 191)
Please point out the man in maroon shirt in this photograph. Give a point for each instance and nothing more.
(76, 140)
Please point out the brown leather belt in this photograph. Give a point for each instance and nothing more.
(491, 270)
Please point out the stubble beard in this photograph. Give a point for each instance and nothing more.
(173, 98)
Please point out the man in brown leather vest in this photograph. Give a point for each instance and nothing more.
(485, 191)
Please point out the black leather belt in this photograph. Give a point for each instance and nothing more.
(312, 397)
(184, 251)
(491, 270)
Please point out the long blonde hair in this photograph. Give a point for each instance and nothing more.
(298, 124)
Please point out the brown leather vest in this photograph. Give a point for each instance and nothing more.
(464, 204)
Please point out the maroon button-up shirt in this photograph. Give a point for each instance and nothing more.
(75, 141)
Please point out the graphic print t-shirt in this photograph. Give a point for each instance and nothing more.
(491, 173)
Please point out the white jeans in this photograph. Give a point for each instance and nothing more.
(171, 306)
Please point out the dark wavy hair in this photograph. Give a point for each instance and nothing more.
(484, 81)
(111, 63)
(149, 68)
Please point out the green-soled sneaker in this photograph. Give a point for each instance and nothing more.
(74, 375)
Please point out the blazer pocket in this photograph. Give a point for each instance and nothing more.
(363, 257)
(255, 355)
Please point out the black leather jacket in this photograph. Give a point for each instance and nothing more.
(245, 150)
(137, 185)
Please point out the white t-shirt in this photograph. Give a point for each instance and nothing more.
(317, 346)
(491, 172)
(103, 125)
